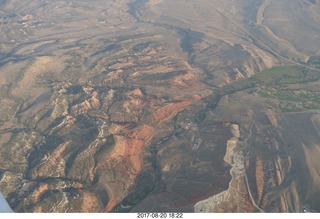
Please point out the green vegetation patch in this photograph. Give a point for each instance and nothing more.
(282, 75)
(294, 101)
(278, 79)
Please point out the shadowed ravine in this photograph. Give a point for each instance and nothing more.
(160, 106)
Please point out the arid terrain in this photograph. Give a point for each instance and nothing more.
(160, 105)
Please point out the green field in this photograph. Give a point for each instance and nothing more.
(273, 84)
(290, 101)
(282, 75)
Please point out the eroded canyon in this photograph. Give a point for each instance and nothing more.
(160, 106)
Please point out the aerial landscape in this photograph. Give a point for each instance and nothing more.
(160, 105)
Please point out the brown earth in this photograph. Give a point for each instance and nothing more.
(159, 106)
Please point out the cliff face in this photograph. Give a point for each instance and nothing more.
(265, 158)
(118, 106)
(236, 198)
(91, 140)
